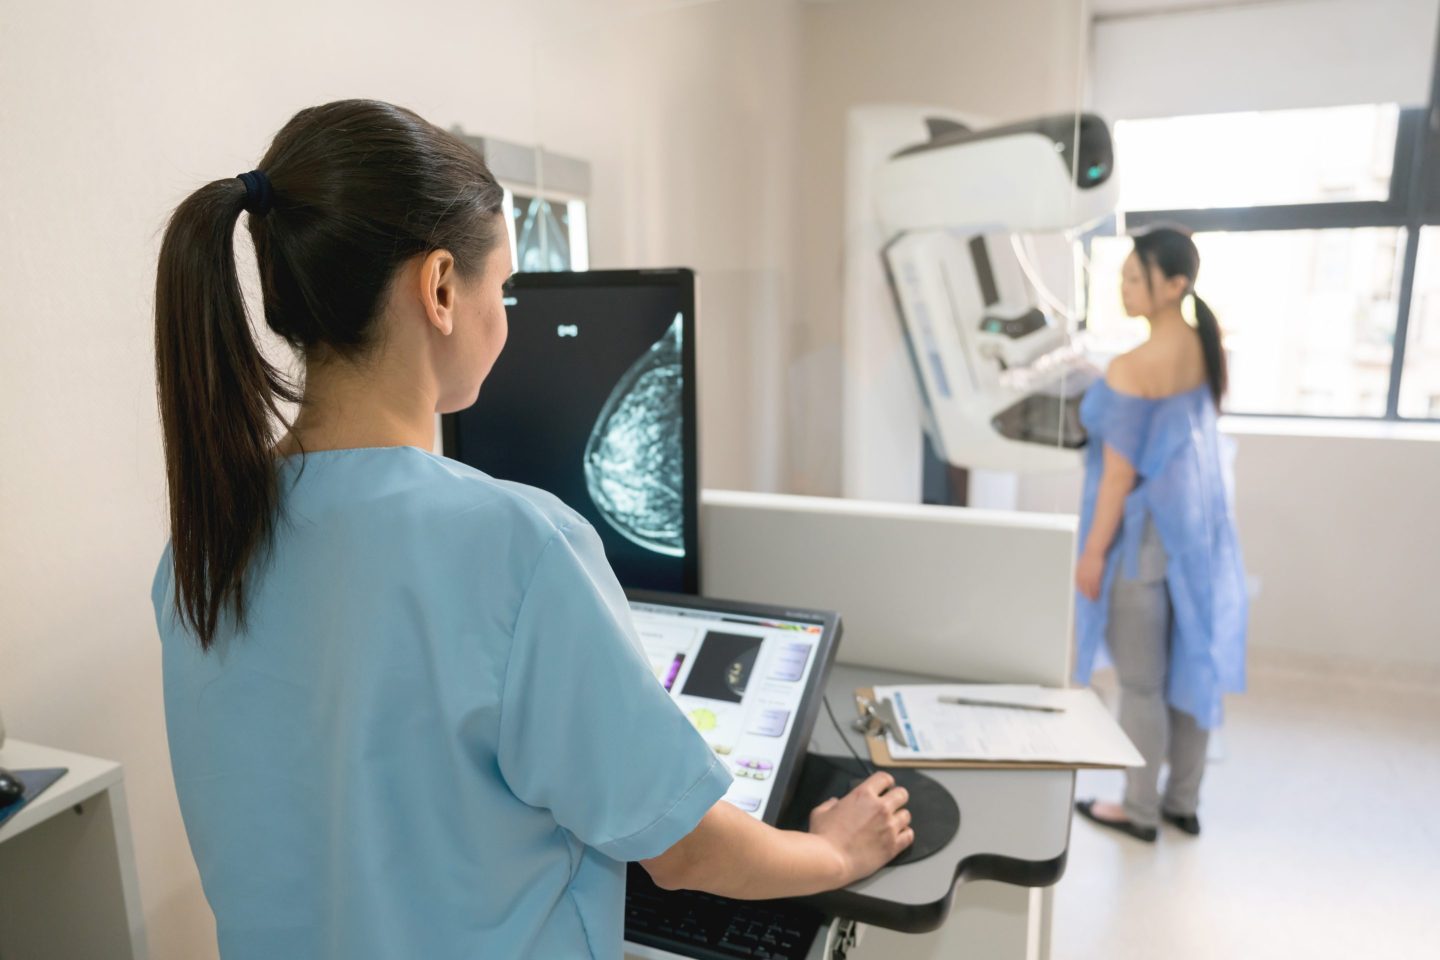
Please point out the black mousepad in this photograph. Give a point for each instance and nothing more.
(934, 814)
(36, 782)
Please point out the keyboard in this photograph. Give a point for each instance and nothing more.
(707, 927)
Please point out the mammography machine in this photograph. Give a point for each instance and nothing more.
(951, 209)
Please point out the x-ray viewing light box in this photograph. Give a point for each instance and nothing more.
(548, 230)
(546, 196)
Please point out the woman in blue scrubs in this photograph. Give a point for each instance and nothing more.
(407, 710)
(1161, 584)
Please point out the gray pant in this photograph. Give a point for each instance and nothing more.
(1138, 636)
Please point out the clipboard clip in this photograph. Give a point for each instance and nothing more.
(877, 718)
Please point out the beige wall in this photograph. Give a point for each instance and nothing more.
(110, 113)
(1005, 60)
(689, 122)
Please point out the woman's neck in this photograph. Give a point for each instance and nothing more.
(347, 405)
(1166, 321)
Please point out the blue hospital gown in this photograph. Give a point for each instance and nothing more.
(1181, 486)
(437, 737)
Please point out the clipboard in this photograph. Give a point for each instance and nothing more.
(873, 724)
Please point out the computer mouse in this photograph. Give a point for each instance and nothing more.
(935, 816)
(11, 789)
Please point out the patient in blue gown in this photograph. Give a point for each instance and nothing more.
(1160, 577)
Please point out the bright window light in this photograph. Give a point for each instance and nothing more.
(1308, 316)
(1256, 159)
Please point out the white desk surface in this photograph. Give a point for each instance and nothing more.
(87, 776)
(1021, 815)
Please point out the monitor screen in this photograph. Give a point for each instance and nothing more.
(593, 400)
(750, 678)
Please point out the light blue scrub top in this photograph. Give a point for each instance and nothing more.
(1181, 486)
(437, 736)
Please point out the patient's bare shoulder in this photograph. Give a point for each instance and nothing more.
(1126, 372)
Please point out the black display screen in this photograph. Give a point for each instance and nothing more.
(593, 400)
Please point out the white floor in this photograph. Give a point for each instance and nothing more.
(1321, 836)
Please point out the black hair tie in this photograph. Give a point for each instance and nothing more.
(259, 195)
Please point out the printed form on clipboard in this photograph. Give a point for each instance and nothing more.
(1000, 724)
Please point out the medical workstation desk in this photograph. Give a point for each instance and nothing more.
(1014, 827)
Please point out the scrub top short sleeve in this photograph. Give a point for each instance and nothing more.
(586, 731)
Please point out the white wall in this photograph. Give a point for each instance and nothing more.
(1339, 523)
(1006, 61)
(1343, 533)
(110, 113)
(1262, 56)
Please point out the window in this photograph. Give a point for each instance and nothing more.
(1308, 315)
(1257, 159)
(1319, 252)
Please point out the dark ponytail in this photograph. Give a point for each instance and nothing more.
(1209, 329)
(218, 401)
(1171, 251)
(353, 190)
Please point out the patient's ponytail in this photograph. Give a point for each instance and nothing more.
(1209, 329)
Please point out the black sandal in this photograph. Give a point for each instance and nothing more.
(1188, 823)
(1086, 809)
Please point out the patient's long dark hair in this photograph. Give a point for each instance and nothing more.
(350, 191)
(1171, 250)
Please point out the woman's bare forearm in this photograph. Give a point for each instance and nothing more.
(1116, 481)
(732, 854)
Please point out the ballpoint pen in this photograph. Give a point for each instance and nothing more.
(968, 702)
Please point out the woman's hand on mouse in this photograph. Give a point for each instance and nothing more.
(868, 827)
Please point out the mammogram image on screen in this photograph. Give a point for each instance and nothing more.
(722, 669)
(589, 402)
(634, 460)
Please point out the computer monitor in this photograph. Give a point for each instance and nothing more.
(751, 679)
(593, 400)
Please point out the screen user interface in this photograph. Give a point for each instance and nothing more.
(587, 402)
(739, 679)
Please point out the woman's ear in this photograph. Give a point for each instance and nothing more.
(438, 278)
(1175, 288)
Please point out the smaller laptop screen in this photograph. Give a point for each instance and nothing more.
(749, 678)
